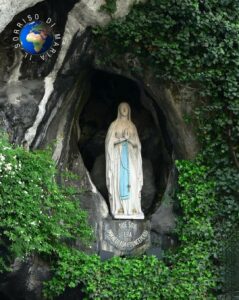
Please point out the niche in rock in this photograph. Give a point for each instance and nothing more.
(107, 92)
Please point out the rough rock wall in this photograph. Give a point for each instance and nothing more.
(41, 103)
(9, 9)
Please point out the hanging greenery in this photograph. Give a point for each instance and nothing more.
(37, 216)
(186, 273)
(184, 41)
(194, 42)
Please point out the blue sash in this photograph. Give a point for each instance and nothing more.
(124, 172)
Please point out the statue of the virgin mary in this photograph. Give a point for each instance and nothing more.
(124, 176)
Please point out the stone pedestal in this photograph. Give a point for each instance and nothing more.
(125, 237)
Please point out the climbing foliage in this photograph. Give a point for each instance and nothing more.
(181, 42)
(40, 218)
(109, 6)
(185, 273)
(194, 43)
(37, 216)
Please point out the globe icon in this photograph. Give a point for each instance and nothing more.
(36, 37)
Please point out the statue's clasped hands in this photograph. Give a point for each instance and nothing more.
(124, 136)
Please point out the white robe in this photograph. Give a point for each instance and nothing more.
(130, 208)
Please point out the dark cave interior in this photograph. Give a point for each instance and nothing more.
(107, 92)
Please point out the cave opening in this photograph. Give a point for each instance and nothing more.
(107, 91)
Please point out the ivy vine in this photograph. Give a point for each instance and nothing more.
(183, 41)
(109, 6)
(37, 216)
(190, 42)
(185, 274)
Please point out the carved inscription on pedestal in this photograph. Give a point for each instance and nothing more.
(126, 235)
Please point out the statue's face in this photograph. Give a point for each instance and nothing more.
(124, 111)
